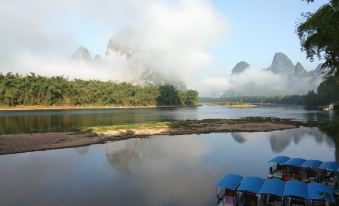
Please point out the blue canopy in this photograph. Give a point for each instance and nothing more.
(273, 187)
(311, 164)
(331, 166)
(296, 188)
(251, 184)
(230, 182)
(317, 191)
(279, 159)
(295, 162)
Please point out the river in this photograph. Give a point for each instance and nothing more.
(161, 170)
(65, 120)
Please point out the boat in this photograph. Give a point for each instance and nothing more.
(248, 190)
(329, 108)
(235, 190)
(226, 190)
(272, 192)
(308, 171)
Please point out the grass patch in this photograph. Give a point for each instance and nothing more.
(151, 125)
(183, 124)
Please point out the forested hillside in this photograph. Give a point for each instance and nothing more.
(34, 89)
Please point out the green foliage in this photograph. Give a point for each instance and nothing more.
(189, 97)
(33, 89)
(319, 35)
(336, 108)
(327, 93)
(311, 100)
(168, 95)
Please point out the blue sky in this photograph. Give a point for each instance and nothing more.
(258, 29)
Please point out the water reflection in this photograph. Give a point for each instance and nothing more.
(81, 150)
(162, 170)
(239, 137)
(33, 121)
(158, 169)
(280, 140)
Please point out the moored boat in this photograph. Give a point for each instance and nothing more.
(286, 168)
(237, 190)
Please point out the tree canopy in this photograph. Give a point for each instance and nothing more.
(34, 89)
(319, 35)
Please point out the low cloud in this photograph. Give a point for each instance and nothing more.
(174, 36)
(255, 82)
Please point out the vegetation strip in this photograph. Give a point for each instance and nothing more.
(36, 90)
(17, 143)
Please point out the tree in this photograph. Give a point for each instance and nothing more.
(311, 100)
(168, 95)
(33, 89)
(319, 35)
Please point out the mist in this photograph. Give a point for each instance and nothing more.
(170, 37)
(258, 82)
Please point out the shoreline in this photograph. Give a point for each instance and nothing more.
(243, 106)
(19, 143)
(42, 108)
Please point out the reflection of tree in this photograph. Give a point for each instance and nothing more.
(238, 137)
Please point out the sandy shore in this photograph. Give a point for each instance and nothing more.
(17, 143)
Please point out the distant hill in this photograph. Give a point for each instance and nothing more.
(240, 67)
(81, 54)
(126, 44)
(282, 77)
(282, 65)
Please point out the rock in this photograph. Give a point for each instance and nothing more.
(299, 70)
(97, 58)
(281, 64)
(81, 54)
(125, 42)
(240, 68)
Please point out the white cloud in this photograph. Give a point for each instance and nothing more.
(255, 82)
(39, 35)
(213, 87)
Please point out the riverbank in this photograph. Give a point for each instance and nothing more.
(236, 104)
(71, 107)
(18, 143)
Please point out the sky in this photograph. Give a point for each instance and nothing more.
(255, 30)
(258, 29)
(197, 40)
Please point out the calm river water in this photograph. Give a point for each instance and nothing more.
(57, 120)
(161, 170)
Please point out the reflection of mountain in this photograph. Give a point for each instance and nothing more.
(81, 150)
(279, 143)
(280, 140)
(159, 161)
(239, 137)
(122, 156)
